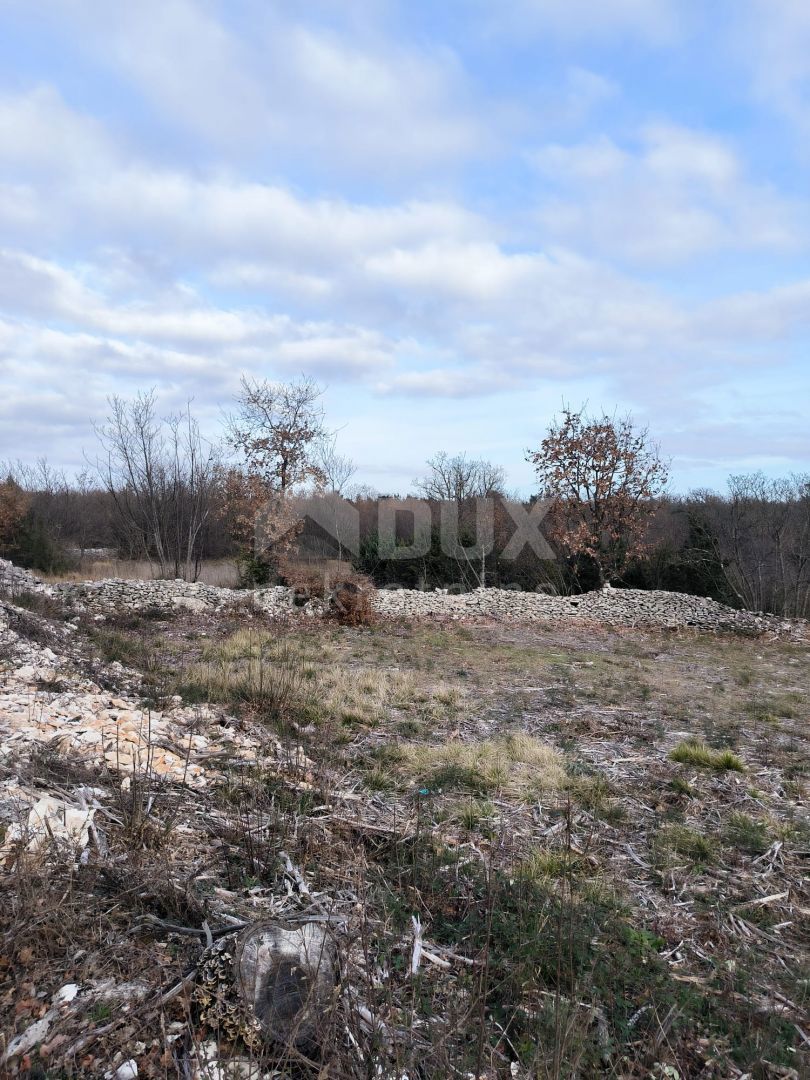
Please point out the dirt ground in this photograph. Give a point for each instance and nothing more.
(541, 851)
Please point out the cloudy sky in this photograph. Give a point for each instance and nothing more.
(455, 215)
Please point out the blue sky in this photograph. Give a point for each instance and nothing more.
(454, 215)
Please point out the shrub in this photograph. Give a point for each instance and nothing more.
(253, 571)
(351, 602)
(14, 503)
(31, 545)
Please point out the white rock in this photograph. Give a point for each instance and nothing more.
(127, 1070)
(65, 994)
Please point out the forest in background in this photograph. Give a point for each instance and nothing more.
(157, 491)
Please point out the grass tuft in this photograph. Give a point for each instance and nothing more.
(683, 841)
(746, 834)
(694, 752)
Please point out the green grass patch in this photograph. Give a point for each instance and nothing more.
(746, 834)
(674, 842)
(540, 949)
(682, 787)
(694, 752)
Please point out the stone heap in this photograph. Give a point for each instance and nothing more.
(13, 579)
(618, 607)
(114, 595)
(46, 699)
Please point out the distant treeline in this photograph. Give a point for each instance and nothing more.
(157, 490)
(749, 548)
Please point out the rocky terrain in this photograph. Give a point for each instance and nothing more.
(497, 834)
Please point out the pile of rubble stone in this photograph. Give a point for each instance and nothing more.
(47, 700)
(120, 596)
(13, 579)
(617, 607)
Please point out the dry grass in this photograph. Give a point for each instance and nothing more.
(297, 678)
(219, 572)
(471, 777)
(517, 766)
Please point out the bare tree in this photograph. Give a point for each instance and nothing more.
(335, 469)
(763, 539)
(161, 476)
(460, 478)
(603, 477)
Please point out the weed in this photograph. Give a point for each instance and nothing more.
(682, 787)
(746, 834)
(683, 841)
(775, 707)
(37, 602)
(549, 864)
(476, 813)
(379, 779)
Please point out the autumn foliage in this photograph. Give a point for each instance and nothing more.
(14, 504)
(603, 478)
(275, 432)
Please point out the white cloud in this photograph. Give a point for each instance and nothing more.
(775, 38)
(583, 92)
(456, 383)
(288, 88)
(41, 134)
(678, 194)
(771, 315)
(56, 315)
(96, 192)
(658, 21)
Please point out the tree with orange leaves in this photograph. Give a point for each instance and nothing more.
(603, 478)
(14, 503)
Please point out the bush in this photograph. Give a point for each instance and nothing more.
(305, 579)
(33, 548)
(351, 602)
(253, 571)
(14, 505)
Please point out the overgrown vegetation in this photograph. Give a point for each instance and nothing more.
(589, 899)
